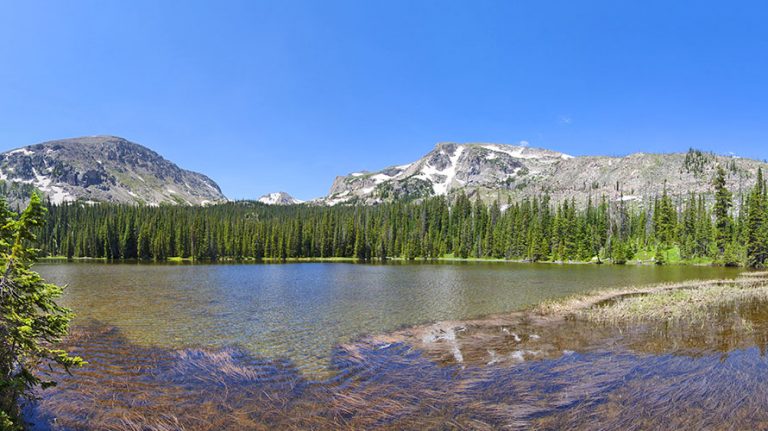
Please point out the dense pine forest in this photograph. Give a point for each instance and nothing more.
(692, 228)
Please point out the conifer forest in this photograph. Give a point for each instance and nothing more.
(716, 228)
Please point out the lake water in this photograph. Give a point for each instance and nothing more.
(300, 311)
(242, 347)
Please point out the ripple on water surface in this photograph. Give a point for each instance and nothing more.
(516, 371)
(167, 362)
(301, 311)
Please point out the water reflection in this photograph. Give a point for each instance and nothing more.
(300, 311)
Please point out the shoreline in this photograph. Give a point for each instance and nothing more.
(190, 261)
(634, 308)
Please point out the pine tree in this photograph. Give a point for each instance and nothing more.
(665, 219)
(756, 225)
(31, 322)
(533, 229)
(723, 204)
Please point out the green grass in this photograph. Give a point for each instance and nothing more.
(179, 259)
(672, 257)
(644, 255)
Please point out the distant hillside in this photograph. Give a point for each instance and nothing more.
(103, 169)
(495, 171)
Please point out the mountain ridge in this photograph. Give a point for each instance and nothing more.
(108, 168)
(501, 171)
(105, 168)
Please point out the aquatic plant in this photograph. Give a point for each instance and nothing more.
(519, 370)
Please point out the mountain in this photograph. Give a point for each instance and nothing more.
(279, 198)
(104, 169)
(497, 171)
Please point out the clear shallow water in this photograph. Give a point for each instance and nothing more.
(516, 371)
(299, 312)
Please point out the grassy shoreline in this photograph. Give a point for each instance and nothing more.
(691, 300)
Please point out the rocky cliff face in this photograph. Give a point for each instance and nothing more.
(495, 171)
(105, 169)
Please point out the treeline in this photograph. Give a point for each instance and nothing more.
(534, 230)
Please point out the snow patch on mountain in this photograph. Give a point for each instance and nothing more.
(279, 198)
(441, 178)
(447, 168)
(336, 199)
(380, 178)
(22, 151)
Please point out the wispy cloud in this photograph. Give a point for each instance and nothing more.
(524, 143)
(565, 119)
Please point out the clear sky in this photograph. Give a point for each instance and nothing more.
(284, 95)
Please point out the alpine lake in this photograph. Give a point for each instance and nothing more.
(347, 346)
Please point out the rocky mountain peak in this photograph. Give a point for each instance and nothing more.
(105, 169)
(279, 198)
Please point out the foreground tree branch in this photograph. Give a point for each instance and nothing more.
(31, 322)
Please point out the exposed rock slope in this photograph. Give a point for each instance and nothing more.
(105, 169)
(495, 171)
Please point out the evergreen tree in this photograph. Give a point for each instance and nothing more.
(723, 204)
(31, 322)
(665, 219)
(756, 228)
(534, 229)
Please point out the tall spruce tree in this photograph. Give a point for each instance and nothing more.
(665, 219)
(723, 204)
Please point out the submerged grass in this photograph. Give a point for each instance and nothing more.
(526, 370)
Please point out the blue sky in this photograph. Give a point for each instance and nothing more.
(284, 95)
